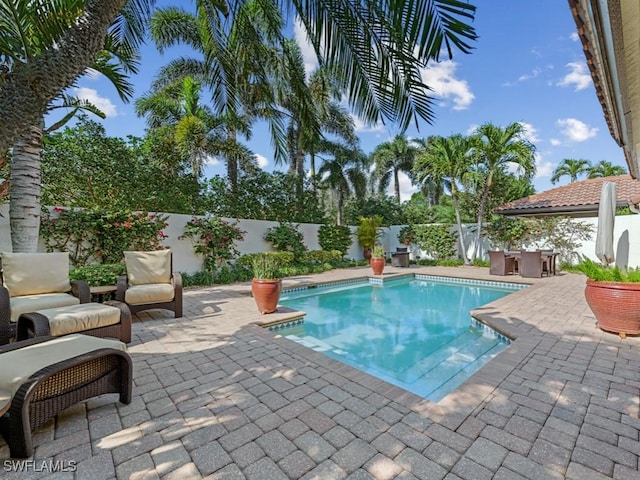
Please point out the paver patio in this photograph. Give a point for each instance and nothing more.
(218, 397)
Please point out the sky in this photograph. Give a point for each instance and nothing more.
(527, 66)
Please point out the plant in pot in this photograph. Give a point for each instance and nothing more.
(613, 294)
(368, 233)
(377, 259)
(267, 283)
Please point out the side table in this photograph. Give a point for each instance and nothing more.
(102, 292)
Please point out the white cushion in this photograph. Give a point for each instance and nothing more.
(32, 303)
(141, 294)
(34, 273)
(78, 318)
(145, 268)
(18, 365)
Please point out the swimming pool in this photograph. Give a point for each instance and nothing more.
(415, 333)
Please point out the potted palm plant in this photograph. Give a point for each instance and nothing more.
(613, 294)
(266, 285)
(377, 259)
(368, 233)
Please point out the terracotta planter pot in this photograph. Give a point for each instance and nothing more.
(377, 265)
(616, 306)
(266, 294)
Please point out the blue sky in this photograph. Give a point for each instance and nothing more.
(527, 66)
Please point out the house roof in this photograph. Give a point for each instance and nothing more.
(610, 36)
(581, 197)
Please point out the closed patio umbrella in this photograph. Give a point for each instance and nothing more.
(606, 219)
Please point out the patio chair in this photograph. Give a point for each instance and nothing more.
(531, 265)
(501, 264)
(41, 377)
(35, 281)
(150, 282)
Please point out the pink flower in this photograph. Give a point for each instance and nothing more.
(127, 224)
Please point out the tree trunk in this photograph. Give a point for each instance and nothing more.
(26, 92)
(25, 192)
(340, 207)
(396, 185)
(456, 208)
(483, 203)
(232, 164)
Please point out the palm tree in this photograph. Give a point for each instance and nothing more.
(236, 64)
(572, 168)
(432, 186)
(447, 158)
(47, 45)
(378, 61)
(343, 174)
(605, 169)
(30, 33)
(391, 158)
(495, 150)
(191, 124)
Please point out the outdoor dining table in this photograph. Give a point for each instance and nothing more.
(549, 255)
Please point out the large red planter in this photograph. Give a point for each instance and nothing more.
(377, 265)
(266, 294)
(616, 306)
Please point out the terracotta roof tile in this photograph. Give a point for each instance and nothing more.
(576, 196)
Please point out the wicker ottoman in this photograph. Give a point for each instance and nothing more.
(41, 377)
(109, 319)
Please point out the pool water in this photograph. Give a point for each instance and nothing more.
(416, 334)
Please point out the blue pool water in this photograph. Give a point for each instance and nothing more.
(416, 334)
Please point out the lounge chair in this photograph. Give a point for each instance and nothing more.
(501, 264)
(35, 281)
(41, 377)
(150, 282)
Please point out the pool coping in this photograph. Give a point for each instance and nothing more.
(455, 407)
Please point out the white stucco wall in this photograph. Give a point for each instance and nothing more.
(626, 240)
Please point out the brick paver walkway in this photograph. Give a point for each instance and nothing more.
(216, 396)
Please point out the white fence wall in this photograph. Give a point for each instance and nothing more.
(626, 240)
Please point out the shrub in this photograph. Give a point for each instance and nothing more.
(322, 256)
(286, 238)
(99, 273)
(600, 273)
(335, 237)
(100, 235)
(214, 239)
(437, 241)
(407, 235)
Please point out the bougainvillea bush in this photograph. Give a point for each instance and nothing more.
(95, 235)
(214, 239)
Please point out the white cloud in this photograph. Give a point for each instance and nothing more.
(211, 160)
(578, 76)
(575, 130)
(441, 78)
(262, 160)
(308, 52)
(361, 127)
(530, 132)
(527, 76)
(543, 168)
(555, 142)
(103, 103)
(472, 129)
(574, 36)
(406, 188)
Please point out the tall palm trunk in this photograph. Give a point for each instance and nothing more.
(25, 191)
(483, 203)
(463, 247)
(232, 163)
(396, 185)
(340, 207)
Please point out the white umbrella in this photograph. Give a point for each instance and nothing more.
(606, 219)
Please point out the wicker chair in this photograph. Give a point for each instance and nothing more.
(150, 282)
(64, 371)
(531, 265)
(35, 281)
(501, 264)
